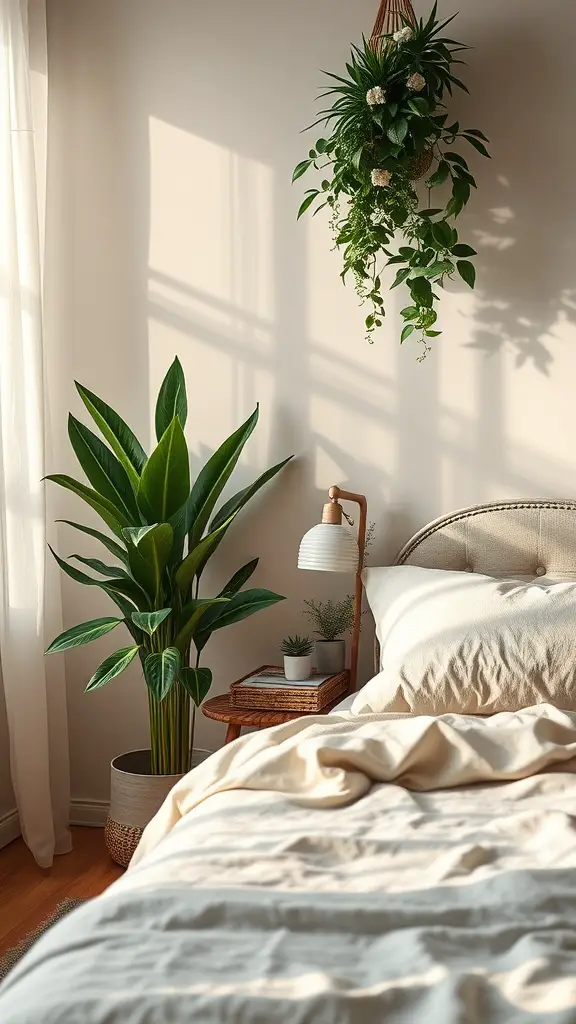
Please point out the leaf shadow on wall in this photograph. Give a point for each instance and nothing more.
(522, 220)
(261, 122)
(132, 245)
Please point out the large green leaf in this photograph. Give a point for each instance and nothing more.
(440, 174)
(213, 478)
(200, 555)
(467, 272)
(165, 480)
(105, 473)
(161, 671)
(463, 250)
(397, 131)
(105, 509)
(115, 588)
(244, 604)
(172, 399)
(134, 534)
(149, 554)
(122, 441)
(196, 682)
(225, 515)
(237, 581)
(112, 667)
(241, 498)
(111, 545)
(149, 621)
(191, 615)
(113, 571)
(84, 633)
(477, 145)
(442, 233)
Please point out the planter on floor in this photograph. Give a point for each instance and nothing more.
(135, 796)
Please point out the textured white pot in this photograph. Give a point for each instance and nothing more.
(330, 655)
(296, 669)
(135, 796)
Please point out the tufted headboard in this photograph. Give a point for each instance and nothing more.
(503, 538)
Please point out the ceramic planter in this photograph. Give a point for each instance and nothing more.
(297, 669)
(135, 796)
(330, 656)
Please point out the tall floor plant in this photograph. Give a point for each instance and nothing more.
(162, 531)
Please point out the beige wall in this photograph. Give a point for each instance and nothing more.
(174, 129)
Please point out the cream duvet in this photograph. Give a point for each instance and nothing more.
(335, 870)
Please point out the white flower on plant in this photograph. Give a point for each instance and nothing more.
(416, 82)
(404, 35)
(381, 178)
(376, 96)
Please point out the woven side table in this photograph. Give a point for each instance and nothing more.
(220, 710)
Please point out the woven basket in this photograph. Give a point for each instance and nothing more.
(419, 165)
(288, 699)
(135, 797)
(121, 841)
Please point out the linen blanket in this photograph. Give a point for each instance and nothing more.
(338, 870)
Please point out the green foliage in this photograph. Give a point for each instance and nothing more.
(165, 531)
(382, 128)
(331, 619)
(112, 667)
(297, 646)
(82, 634)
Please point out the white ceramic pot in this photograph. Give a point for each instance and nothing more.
(135, 796)
(330, 656)
(297, 669)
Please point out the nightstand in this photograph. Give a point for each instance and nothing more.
(220, 710)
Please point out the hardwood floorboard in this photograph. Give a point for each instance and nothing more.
(29, 894)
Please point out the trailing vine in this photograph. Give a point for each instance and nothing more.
(389, 128)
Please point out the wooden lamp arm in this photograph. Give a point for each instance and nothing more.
(335, 494)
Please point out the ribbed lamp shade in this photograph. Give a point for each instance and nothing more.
(328, 548)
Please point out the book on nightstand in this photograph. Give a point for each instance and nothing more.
(268, 689)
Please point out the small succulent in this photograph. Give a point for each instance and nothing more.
(297, 646)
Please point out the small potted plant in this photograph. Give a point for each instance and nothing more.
(297, 651)
(331, 619)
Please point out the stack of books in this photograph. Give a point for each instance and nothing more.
(268, 689)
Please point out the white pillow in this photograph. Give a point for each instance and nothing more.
(465, 643)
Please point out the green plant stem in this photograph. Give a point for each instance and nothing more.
(169, 731)
(192, 735)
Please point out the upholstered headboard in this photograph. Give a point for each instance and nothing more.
(503, 538)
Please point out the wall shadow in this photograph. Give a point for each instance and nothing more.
(188, 219)
(522, 220)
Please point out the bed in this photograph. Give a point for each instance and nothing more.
(350, 868)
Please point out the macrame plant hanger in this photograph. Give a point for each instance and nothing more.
(389, 19)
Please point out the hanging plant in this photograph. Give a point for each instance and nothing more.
(389, 127)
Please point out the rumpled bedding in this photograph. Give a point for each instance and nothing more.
(335, 870)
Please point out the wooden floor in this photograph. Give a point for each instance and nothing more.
(29, 894)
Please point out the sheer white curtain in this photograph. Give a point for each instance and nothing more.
(35, 700)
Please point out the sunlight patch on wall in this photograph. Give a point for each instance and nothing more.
(211, 292)
(353, 394)
(348, 447)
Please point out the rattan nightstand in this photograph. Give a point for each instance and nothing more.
(220, 710)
